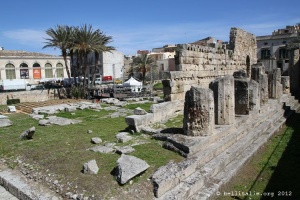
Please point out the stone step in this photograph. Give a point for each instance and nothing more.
(196, 180)
(211, 189)
(188, 167)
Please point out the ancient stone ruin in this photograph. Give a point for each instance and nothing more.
(231, 108)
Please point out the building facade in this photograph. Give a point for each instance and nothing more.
(110, 64)
(34, 67)
(273, 50)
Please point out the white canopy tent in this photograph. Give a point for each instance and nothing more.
(135, 85)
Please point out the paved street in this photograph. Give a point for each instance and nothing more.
(5, 195)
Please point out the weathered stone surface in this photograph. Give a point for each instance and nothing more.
(285, 81)
(139, 111)
(90, 167)
(241, 96)
(102, 149)
(57, 121)
(254, 96)
(28, 134)
(124, 149)
(199, 117)
(96, 140)
(128, 167)
(123, 137)
(258, 75)
(223, 89)
(136, 122)
(198, 65)
(275, 86)
(4, 122)
(70, 108)
(36, 117)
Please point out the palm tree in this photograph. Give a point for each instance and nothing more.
(142, 63)
(101, 47)
(60, 37)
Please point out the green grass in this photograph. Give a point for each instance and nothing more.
(62, 150)
(158, 86)
(274, 171)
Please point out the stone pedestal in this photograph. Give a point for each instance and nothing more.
(223, 89)
(241, 87)
(199, 117)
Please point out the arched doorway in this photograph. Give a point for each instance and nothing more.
(24, 74)
(37, 71)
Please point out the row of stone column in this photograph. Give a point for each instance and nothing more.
(229, 96)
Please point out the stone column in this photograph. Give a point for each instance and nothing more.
(241, 86)
(223, 89)
(254, 96)
(275, 86)
(285, 81)
(199, 117)
(258, 75)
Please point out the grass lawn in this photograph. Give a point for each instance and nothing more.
(62, 150)
(274, 173)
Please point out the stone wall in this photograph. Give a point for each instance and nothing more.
(26, 96)
(199, 65)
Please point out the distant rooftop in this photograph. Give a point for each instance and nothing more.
(18, 53)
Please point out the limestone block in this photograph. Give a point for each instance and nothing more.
(123, 137)
(223, 89)
(128, 167)
(90, 167)
(199, 117)
(96, 140)
(28, 134)
(139, 111)
(136, 122)
(5, 122)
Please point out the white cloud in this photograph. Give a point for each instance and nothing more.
(28, 37)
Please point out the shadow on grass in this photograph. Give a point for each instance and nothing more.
(286, 176)
(284, 182)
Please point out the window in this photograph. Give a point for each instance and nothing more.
(48, 70)
(265, 54)
(10, 71)
(24, 74)
(59, 70)
(283, 53)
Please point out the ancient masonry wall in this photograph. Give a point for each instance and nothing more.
(199, 65)
(26, 96)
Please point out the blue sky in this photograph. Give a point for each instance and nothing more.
(141, 24)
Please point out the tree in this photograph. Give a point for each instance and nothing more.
(101, 47)
(142, 63)
(60, 37)
(79, 41)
